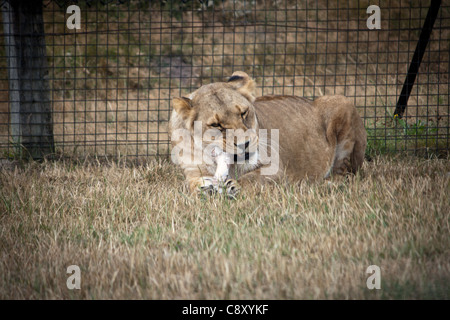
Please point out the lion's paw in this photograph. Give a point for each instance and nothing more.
(211, 186)
(232, 188)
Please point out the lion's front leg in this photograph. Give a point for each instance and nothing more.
(255, 177)
(230, 187)
(201, 184)
(208, 185)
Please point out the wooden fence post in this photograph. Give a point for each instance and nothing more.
(30, 109)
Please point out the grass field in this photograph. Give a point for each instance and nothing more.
(135, 232)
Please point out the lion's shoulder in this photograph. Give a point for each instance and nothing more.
(289, 99)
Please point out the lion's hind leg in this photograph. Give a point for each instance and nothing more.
(346, 134)
(342, 161)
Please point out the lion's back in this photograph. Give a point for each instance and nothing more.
(310, 131)
(303, 148)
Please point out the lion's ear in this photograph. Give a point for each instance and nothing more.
(244, 84)
(182, 106)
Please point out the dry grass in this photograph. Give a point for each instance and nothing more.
(136, 233)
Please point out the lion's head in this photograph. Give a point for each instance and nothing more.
(226, 114)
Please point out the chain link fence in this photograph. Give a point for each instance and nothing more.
(97, 78)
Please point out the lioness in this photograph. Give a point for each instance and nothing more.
(316, 139)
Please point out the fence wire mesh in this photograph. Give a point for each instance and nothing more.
(110, 82)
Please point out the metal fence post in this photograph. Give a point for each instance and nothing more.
(417, 57)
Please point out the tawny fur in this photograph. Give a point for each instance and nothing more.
(317, 139)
